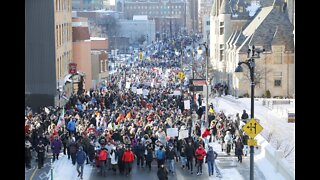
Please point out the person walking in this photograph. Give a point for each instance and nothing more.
(128, 158)
(190, 152)
(239, 149)
(228, 140)
(81, 156)
(56, 147)
(244, 116)
(40, 150)
(72, 150)
(160, 155)
(114, 159)
(103, 160)
(245, 138)
(139, 151)
(162, 173)
(120, 162)
(149, 156)
(171, 155)
(200, 154)
(27, 153)
(210, 159)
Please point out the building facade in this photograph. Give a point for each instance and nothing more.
(48, 50)
(169, 15)
(265, 25)
(203, 12)
(87, 4)
(134, 29)
(81, 44)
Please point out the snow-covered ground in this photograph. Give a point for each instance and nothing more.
(273, 120)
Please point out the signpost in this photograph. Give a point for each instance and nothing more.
(252, 128)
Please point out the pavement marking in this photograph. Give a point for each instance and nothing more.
(33, 173)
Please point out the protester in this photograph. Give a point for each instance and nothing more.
(81, 157)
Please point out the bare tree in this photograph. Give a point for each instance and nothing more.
(260, 73)
(269, 136)
(288, 150)
(278, 143)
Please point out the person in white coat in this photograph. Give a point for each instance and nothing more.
(228, 140)
(114, 159)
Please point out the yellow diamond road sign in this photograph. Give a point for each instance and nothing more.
(181, 75)
(252, 128)
(252, 142)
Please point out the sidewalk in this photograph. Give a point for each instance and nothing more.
(63, 169)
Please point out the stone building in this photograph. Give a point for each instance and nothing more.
(236, 27)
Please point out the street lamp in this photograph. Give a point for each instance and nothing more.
(207, 82)
(251, 65)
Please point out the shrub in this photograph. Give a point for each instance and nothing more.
(268, 94)
(246, 95)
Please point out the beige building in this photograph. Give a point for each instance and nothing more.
(81, 45)
(266, 26)
(63, 36)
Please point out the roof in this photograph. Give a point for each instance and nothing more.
(234, 38)
(231, 36)
(80, 34)
(259, 18)
(225, 7)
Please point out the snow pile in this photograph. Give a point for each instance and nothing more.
(254, 6)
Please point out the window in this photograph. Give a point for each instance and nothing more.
(221, 55)
(221, 46)
(221, 23)
(277, 83)
(208, 23)
(105, 65)
(221, 31)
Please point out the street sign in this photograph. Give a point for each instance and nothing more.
(181, 75)
(252, 142)
(252, 128)
(72, 68)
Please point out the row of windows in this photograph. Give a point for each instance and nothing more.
(153, 7)
(62, 5)
(63, 33)
(62, 63)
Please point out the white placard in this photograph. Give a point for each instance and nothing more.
(164, 84)
(177, 93)
(134, 89)
(187, 104)
(152, 84)
(139, 91)
(145, 92)
(172, 132)
(183, 134)
(46, 110)
(128, 85)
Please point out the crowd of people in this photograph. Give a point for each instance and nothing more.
(116, 125)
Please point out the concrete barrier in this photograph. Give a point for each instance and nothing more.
(275, 157)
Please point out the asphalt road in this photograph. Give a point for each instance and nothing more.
(38, 174)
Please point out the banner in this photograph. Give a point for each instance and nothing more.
(183, 134)
(145, 92)
(139, 91)
(128, 85)
(134, 89)
(177, 93)
(187, 104)
(172, 132)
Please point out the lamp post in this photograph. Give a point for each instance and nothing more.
(251, 65)
(207, 82)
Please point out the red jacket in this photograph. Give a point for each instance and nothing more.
(128, 156)
(200, 153)
(103, 155)
(206, 133)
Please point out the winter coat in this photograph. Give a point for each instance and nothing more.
(170, 154)
(81, 156)
(228, 139)
(103, 155)
(206, 133)
(114, 157)
(56, 146)
(120, 154)
(200, 153)
(73, 147)
(149, 156)
(238, 148)
(139, 150)
(190, 151)
(128, 156)
(160, 154)
(211, 156)
(162, 173)
(71, 125)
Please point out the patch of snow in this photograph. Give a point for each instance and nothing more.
(254, 6)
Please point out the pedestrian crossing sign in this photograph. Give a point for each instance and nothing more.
(252, 128)
(181, 75)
